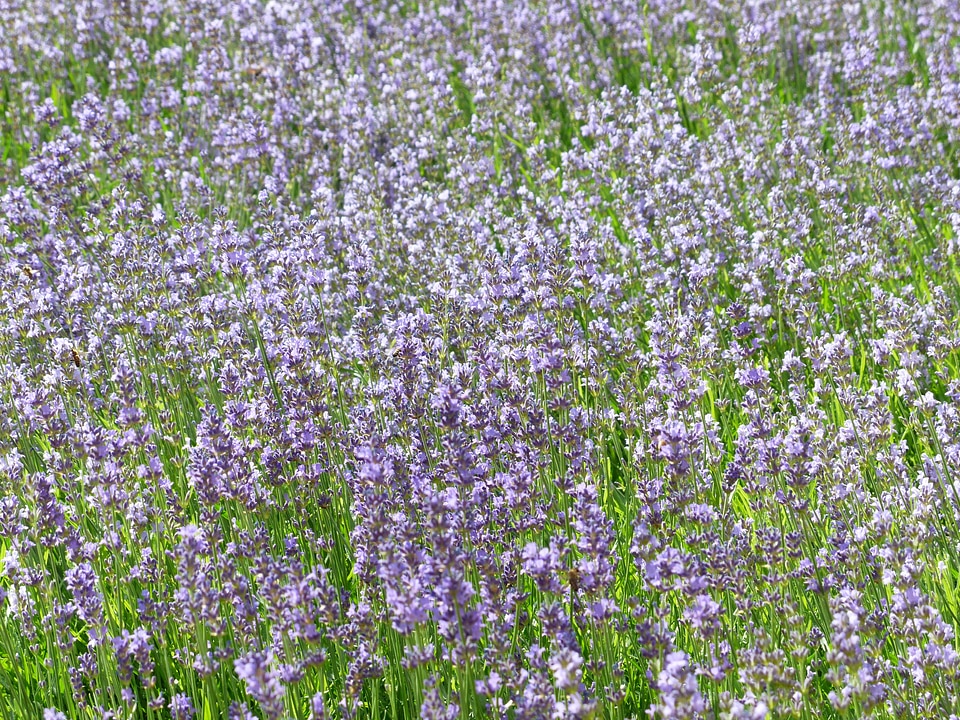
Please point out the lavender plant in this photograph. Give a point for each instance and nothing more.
(479, 359)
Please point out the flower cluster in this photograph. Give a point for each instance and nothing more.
(486, 358)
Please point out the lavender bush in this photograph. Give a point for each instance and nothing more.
(525, 360)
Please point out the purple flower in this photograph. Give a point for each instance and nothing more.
(181, 707)
(262, 682)
(87, 599)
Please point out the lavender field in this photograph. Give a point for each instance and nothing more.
(479, 359)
